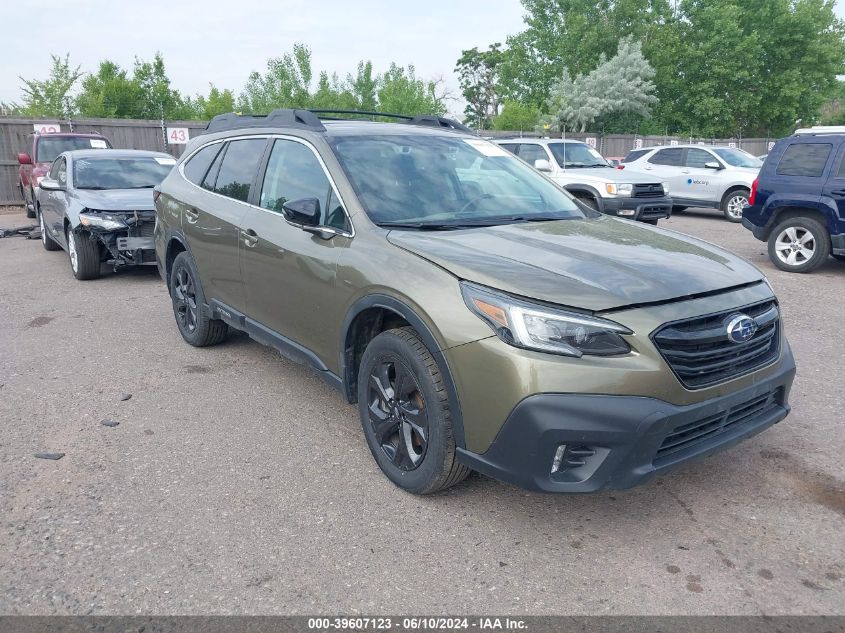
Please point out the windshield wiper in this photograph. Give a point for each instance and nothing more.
(420, 226)
(141, 187)
(92, 188)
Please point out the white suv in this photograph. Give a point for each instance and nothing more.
(700, 176)
(584, 173)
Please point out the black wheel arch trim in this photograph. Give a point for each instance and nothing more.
(406, 312)
(170, 237)
(579, 188)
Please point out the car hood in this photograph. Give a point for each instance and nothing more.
(605, 174)
(594, 264)
(116, 199)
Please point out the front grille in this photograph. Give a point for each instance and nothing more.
(701, 354)
(649, 190)
(687, 436)
(143, 229)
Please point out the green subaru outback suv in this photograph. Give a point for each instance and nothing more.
(481, 318)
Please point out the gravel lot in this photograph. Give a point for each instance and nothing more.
(237, 482)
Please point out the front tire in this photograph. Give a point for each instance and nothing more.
(47, 242)
(84, 255)
(733, 204)
(195, 325)
(799, 245)
(405, 413)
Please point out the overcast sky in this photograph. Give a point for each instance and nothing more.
(222, 42)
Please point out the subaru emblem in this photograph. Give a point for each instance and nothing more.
(741, 328)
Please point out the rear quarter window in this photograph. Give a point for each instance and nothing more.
(671, 157)
(632, 156)
(197, 165)
(804, 159)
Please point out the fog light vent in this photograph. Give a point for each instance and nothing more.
(568, 457)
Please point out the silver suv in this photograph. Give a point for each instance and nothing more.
(584, 173)
(700, 176)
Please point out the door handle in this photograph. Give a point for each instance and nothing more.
(250, 237)
(192, 215)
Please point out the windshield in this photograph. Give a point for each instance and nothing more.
(427, 181)
(120, 173)
(737, 157)
(569, 155)
(48, 148)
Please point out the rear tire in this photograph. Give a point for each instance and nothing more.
(47, 242)
(733, 204)
(405, 413)
(799, 245)
(195, 325)
(84, 254)
(30, 208)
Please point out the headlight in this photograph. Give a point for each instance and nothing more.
(102, 220)
(617, 189)
(530, 326)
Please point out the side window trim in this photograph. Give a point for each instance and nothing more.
(218, 161)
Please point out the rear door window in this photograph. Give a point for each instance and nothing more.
(239, 168)
(529, 152)
(670, 157)
(804, 159)
(511, 147)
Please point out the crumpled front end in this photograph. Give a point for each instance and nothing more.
(126, 237)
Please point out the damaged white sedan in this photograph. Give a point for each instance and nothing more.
(98, 205)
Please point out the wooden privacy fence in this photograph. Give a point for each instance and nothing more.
(16, 136)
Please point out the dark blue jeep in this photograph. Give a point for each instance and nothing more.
(797, 203)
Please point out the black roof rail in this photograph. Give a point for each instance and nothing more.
(420, 119)
(283, 117)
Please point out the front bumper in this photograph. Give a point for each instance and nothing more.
(624, 441)
(638, 208)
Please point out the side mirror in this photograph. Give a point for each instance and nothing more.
(541, 164)
(305, 211)
(24, 159)
(50, 185)
(712, 165)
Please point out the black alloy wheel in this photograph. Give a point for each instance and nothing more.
(397, 413)
(185, 300)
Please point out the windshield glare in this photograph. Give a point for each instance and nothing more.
(446, 180)
(737, 157)
(49, 148)
(119, 173)
(570, 155)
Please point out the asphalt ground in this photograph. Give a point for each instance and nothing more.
(238, 483)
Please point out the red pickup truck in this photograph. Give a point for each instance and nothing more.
(45, 148)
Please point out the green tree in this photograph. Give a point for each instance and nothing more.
(159, 99)
(217, 102)
(401, 92)
(572, 35)
(619, 86)
(332, 94)
(285, 84)
(517, 116)
(51, 97)
(110, 93)
(479, 80)
(364, 86)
